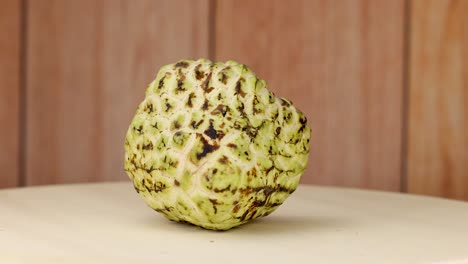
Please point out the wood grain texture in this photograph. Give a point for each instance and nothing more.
(89, 65)
(438, 106)
(10, 26)
(341, 62)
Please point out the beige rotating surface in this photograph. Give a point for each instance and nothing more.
(109, 223)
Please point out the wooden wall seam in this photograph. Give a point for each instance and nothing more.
(212, 20)
(405, 95)
(23, 104)
(10, 13)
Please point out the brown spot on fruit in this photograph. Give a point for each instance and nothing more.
(176, 183)
(195, 125)
(223, 78)
(236, 208)
(269, 190)
(224, 160)
(148, 146)
(238, 89)
(222, 190)
(206, 149)
(180, 85)
(258, 203)
(252, 215)
(251, 131)
(176, 125)
(206, 82)
(284, 102)
(139, 129)
(253, 172)
(189, 100)
(278, 131)
(243, 217)
(199, 74)
(275, 116)
(220, 109)
(159, 187)
(161, 82)
(255, 102)
(236, 125)
(246, 191)
(182, 64)
(211, 88)
(149, 108)
(213, 133)
(180, 82)
(168, 107)
(232, 145)
(214, 202)
(205, 105)
(303, 120)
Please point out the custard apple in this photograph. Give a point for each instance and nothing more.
(210, 145)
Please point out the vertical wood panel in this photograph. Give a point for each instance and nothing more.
(89, 65)
(10, 26)
(438, 112)
(341, 63)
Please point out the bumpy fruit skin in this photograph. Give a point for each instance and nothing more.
(211, 146)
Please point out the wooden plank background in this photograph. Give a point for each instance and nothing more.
(438, 112)
(341, 62)
(383, 83)
(10, 28)
(89, 65)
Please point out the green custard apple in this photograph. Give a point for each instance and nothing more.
(210, 145)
